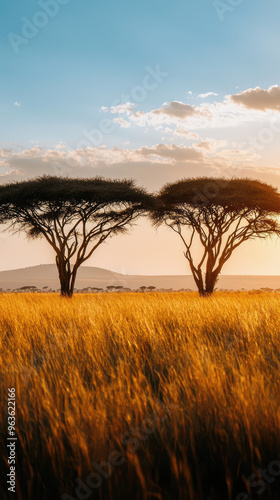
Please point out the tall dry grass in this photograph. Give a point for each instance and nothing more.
(193, 384)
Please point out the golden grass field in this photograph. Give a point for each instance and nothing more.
(181, 393)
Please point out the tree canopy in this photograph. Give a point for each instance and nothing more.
(229, 194)
(63, 189)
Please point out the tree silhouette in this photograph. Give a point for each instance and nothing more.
(220, 215)
(74, 215)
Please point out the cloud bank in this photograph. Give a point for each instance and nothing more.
(259, 99)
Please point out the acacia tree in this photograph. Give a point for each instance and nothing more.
(216, 215)
(74, 216)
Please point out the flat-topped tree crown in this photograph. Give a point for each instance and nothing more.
(219, 214)
(74, 215)
(232, 194)
(63, 189)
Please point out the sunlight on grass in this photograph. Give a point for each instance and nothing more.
(89, 370)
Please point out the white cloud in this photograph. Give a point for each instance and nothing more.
(38, 160)
(150, 166)
(123, 123)
(259, 99)
(170, 113)
(177, 122)
(203, 96)
(121, 109)
(185, 133)
(17, 104)
(211, 144)
(181, 118)
(60, 145)
(172, 152)
(175, 109)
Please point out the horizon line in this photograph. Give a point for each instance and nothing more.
(117, 272)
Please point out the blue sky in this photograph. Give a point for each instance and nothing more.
(91, 53)
(153, 90)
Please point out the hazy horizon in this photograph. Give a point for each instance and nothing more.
(131, 274)
(46, 276)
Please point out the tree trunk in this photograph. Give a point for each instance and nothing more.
(206, 287)
(210, 282)
(198, 278)
(65, 274)
(201, 290)
(73, 279)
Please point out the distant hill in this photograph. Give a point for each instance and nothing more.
(46, 275)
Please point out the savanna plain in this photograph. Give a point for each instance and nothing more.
(142, 395)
